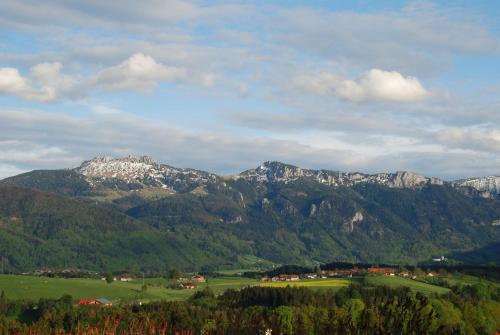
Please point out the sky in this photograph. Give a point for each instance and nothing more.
(222, 86)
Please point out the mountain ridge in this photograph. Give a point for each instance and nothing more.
(275, 213)
(145, 170)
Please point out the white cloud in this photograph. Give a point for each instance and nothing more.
(382, 85)
(138, 73)
(34, 139)
(478, 139)
(420, 39)
(7, 170)
(374, 85)
(11, 82)
(319, 83)
(45, 83)
(67, 140)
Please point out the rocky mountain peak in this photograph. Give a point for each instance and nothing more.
(117, 167)
(141, 170)
(130, 169)
(406, 179)
(487, 185)
(272, 171)
(144, 170)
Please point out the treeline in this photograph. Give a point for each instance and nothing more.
(346, 266)
(486, 272)
(262, 310)
(288, 269)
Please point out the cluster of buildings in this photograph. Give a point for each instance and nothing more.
(338, 273)
(190, 283)
(122, 278)
(282, 277)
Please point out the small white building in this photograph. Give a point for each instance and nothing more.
(126, 279)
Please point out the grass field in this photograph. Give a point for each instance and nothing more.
(33, 288)
(331, 283)
(395, 281)
(469, 280)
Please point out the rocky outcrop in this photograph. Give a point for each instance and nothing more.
(143, 171)
(276, 172)
(146, 172)
(487, 186)
(348, 225)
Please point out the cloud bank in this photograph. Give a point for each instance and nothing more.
(46, 82)
(373, 85)
(399, 87)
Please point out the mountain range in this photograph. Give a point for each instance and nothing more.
(133, 213)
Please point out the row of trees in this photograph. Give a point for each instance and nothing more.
(262, 310)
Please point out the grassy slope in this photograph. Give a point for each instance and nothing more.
(33, 288)
(395, 281)
(469, 280)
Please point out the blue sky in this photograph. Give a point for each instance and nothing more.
(366, 86)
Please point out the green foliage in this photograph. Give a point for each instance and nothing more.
(109, 278)
(284, 319)
(205, 298)
(174, 274)
(353, 310)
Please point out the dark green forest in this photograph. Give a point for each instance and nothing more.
(471, 310)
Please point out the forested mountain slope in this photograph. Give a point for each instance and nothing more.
(134, 213)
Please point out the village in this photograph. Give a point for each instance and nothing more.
(185, 281)
(342, 273)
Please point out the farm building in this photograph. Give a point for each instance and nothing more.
(284, 277)
(100, 301)
(198, 279)
(126, 279)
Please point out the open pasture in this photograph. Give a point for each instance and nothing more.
(330, 283)
(395, 281)
(35, 287)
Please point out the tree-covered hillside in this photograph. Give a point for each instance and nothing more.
(202, 221)
(41, 229)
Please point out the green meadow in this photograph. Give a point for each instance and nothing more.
(330, 283)
(35, 287)
(395, 281)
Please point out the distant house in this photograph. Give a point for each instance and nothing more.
(87, 302)
(188, 286)
(104, 302)
(285, 278)
(198, 279)
(126, 279)
(100, 301)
